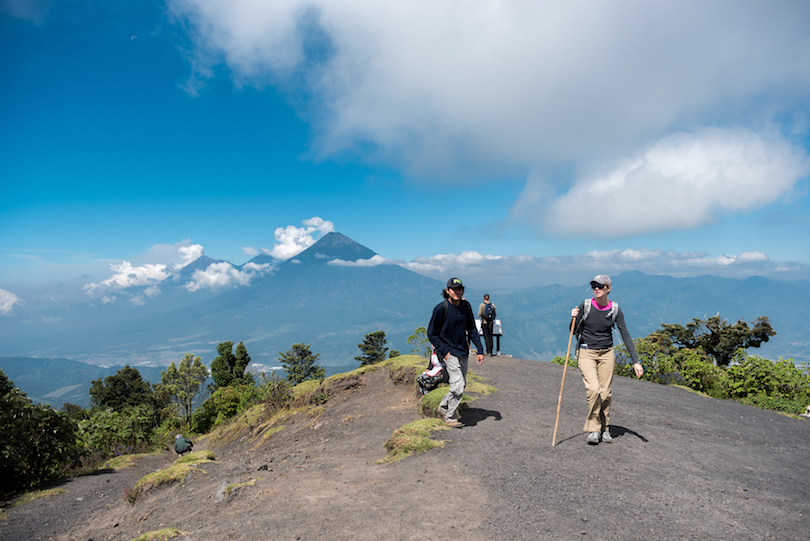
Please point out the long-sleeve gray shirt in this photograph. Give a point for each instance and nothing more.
(597, 331)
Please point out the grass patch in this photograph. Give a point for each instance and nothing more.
(160, 535)
(176, 472)
(37, 494)
(413, 438)
(235, 486)
(125, 461)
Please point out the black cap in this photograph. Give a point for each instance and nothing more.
(454, 283)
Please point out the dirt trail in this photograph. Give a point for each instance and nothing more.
(681, 466)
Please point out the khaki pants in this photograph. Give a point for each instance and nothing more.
(596, 366)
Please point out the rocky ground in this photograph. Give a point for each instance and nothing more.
(681, 466)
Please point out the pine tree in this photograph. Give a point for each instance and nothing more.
(301, 364)
(373, 348)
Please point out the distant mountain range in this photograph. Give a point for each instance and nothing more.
(336, 291)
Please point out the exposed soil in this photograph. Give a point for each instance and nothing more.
(681, 465)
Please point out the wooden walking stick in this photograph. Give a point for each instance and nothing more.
(559, 400)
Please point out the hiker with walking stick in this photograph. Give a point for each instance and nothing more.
(593, 322)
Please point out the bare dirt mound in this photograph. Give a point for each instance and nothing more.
(681, 466)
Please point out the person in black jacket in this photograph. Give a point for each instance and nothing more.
(452, 321)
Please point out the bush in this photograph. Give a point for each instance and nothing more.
(572, 361)
(226, 402)
(699, 372)
(109, 433)
(278, 394)
(38, 443)
(755, 378)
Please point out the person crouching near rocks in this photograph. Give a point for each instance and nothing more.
(450, 324)
(182, 445)
(594, 322)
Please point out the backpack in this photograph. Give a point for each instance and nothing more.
(489, 313)
(434, 375)
(611, 314)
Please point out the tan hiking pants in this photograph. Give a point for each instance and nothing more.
(596, 366)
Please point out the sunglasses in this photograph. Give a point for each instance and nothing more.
(598, 286)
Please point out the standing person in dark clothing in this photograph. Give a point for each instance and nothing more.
(487, 315)
(452, 321)
(594, 322)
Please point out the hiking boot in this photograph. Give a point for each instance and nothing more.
(442, 411)
(606, 437)
(453, 423)
(593, 438)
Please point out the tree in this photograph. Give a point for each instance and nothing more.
(229, 369)
(184, 383)
(373, 348)
(37, 443)
(301, 364)
(124, 389)
(717, 338)
(419, 341)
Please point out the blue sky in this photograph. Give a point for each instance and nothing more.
(511, 143)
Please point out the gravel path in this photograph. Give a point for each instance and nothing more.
(681, 466)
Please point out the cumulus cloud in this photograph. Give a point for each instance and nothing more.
(127, 275)
(374, 261)
(189, 254)
(291, 240)
(248, 250)
(460, 90)
(223, 275)
(681, 182)
(7, 302)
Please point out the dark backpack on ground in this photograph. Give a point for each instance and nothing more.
(489, 313)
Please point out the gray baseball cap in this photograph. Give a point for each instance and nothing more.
(601, 279)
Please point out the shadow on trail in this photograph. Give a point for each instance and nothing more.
(473, 416)
(615, 431)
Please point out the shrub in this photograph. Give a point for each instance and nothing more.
(753, 379)
(572, 361)
(278, 394)
(110, 433)
(699, 372)
(224, 403)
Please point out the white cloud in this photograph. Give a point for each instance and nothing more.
(7, 302)
(189, 254)
(681, 182)
(248, 250)
(458, 90)
(520, 272)
(127, 276)
(291, 240)
(219, 276)
(374, 261)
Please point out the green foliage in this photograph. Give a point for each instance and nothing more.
(224, 403)
(717, 338)
(184, 383)
(301, 364)
(229, 369)
(110, 433)
(572, 361)
(123, 389)
(760, 381)
(698, 372)
(278, 394)
(419, 341)
(373, 348)
(37, 441)
(393, 353)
